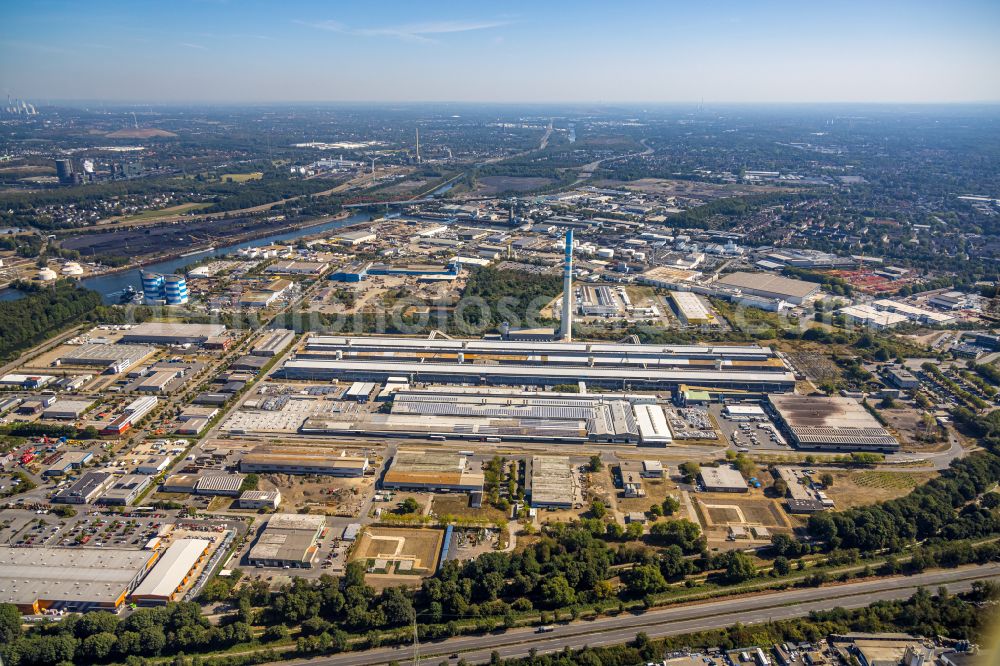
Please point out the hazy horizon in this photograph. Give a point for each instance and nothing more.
(219, 52)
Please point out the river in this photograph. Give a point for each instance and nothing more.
(110, 286)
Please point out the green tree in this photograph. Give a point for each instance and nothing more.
(557, 592)
(644, 579)
(596, 465)
(681, 532)
(689, 470)
(10, 623)
(409, 505)
(739, 567)
(597, 509)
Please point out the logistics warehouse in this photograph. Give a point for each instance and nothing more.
(616, 366)
(75, 579)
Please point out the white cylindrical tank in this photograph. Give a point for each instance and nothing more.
(606, 253)
(47, 275)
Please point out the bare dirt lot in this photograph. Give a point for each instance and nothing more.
(399, 552)
(458, 505)
(332, 496)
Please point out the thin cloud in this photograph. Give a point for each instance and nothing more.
(413, 32)
(189, 45)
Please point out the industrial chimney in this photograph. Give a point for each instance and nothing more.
(567, 307)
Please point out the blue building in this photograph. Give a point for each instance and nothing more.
(164, 289)
(355, 272)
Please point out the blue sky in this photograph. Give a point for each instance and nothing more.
(540, 51)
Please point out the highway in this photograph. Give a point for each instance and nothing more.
(668, 621)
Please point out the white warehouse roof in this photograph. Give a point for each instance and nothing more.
(170, 572)
(653, 428)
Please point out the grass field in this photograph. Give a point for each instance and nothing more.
(852, 489)
(241, 177)
(887, 480)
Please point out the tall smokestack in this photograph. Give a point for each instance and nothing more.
(567, 308)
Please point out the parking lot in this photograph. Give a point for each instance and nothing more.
(749, 434)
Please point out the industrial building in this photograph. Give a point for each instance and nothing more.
(354, 272)
(157, 382)
(551, 482)
(153, 465)
(507, 362)
(652, 424)
(273, 342)
(353, 238)
(830, 423)
(869, 317)
(297, 267)
(219, 484)
(302, 461)
(134, 412)
(67, 410)
(26, 381)
(69, 460)
(159, 333)
(112, 359)
(769, 285)
(171, 573)
(180, 483)
(260, 499)
(125, 490)
(723, 479)
(288, 540)
(599, 302)
(71, 579)
(491, 414)
(433, 471)
(86, 489)
(691, 310)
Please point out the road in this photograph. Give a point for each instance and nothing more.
(671, 620)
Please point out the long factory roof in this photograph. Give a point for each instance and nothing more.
(508, 346)
(561, 373)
